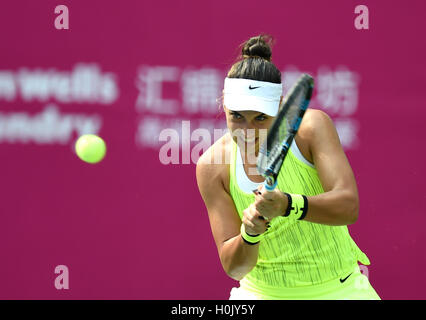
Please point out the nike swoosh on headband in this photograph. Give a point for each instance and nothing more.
(251, 88)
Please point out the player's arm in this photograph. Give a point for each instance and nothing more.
(339, 203)
(237, 257)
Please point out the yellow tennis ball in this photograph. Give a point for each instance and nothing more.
(90, 148)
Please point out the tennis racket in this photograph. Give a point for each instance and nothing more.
(274, 150)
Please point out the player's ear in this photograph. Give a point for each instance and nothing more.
(221, 101)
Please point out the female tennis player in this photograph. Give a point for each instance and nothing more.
(271, 255)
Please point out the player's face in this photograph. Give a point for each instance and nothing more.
(248, 127)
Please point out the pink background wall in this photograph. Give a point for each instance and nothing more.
(134, 228)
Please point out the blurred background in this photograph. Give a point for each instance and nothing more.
(132, 227)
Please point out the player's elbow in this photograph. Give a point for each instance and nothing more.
(231, 269)
(353, 217)
(353, 210)
(236, 273)
(236, 269)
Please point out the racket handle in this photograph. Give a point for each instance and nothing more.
(270, 188)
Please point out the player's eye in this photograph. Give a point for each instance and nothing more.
(236, 115)
(262, 117)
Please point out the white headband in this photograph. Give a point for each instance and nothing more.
(244, 94)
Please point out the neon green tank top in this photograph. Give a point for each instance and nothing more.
(297, 253)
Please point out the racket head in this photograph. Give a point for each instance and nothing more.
(281, 134)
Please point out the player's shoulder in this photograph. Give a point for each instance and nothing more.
(213, 164)
(315, 120)
(216, 153)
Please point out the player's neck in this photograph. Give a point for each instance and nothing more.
(250, 167)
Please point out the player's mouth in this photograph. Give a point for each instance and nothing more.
(251, 140)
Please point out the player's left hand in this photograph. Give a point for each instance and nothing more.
(270, 204)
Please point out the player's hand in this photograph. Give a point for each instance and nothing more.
(254, 224)
(270, 204)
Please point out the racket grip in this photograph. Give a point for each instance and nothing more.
(270, 188)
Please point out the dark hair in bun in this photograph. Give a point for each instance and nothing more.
(255, 61)
(257, 47)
